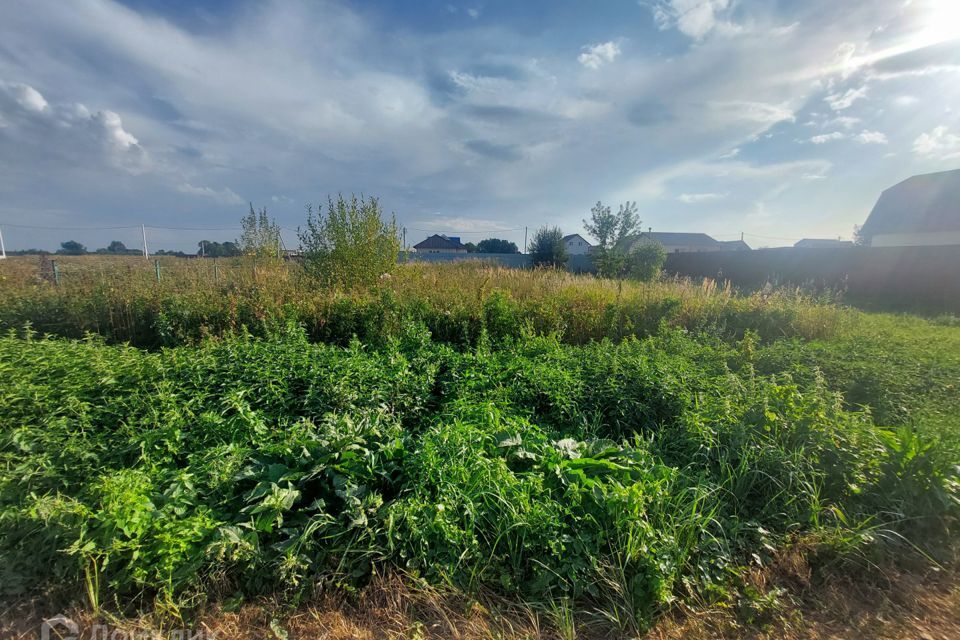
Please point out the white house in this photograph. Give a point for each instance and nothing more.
(920, 211)
(576, 245)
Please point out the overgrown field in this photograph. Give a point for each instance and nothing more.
(563, 442)
(121, 299)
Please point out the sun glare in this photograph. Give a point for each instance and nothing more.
(941, 21)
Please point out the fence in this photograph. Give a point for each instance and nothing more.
(576, 264)
(916, 278)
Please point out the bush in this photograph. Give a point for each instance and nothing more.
(547, 248)
(645, 260)
(352, 245)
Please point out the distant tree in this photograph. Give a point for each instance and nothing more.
(547, 248)
(611, 231)
(71, 248)
(858, 238)
(212, 249)
(351, 244)
(471, 248)
(496, 245)
(261, 234)
(645, 260)
(116, 246)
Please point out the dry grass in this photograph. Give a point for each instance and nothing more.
(892, 605)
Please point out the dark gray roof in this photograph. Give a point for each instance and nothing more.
(438, 241)
(924, 203)
(737, 245)
(575, 235)
(822, 243)
(677, 239)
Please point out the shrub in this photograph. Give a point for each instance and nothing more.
(547, 248)
(352, 245)
(645, 260)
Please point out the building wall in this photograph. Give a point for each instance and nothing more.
(577, 247)
(441, 250)
(935, 239)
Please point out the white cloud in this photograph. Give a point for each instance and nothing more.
(224, 196)
(696, 198)
(761, 112)
(938, 144)
(70, 132)
(828, 137)
(905, 101)
(29, 98)
(474, 12)
(871, 137)
(847, 122)
(841, 101)
(597, 55)
(693, 18)
(733, 153)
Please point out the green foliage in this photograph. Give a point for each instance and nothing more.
(547, 248)
(72, 248)
(260, 236)
(352, 245)
(645, 260)
(496, 245)
(622, 477)
(212, 249)
(611, 231)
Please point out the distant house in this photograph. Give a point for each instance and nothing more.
(441, 244)
(734, 245)
(822, 243)
(576, 244)
(920, 211)
(683, 242)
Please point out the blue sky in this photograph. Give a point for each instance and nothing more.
(782, 119)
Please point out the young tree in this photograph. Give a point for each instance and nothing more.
(116, 246)
(611, 231)
(261, 234)
(352, 244)
(547, 248)
(496, 245)
(645, 260)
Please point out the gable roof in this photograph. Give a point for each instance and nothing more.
(924, 203)
(822, 243)
(738, 245)
(438, 241)
(576, 235)
(675, 239)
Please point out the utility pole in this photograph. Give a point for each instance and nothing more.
(143, 232)
(202, 242)
(3, 249)
(524, 240)
(741, 236)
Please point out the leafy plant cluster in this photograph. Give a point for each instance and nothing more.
(624, 476)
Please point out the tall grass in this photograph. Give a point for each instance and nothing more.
(121, 299)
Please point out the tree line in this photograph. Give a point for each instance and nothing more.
(349, 242)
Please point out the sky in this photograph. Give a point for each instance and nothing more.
(779, 119)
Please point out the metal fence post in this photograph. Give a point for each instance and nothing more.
(156, 265)
(56, 272)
